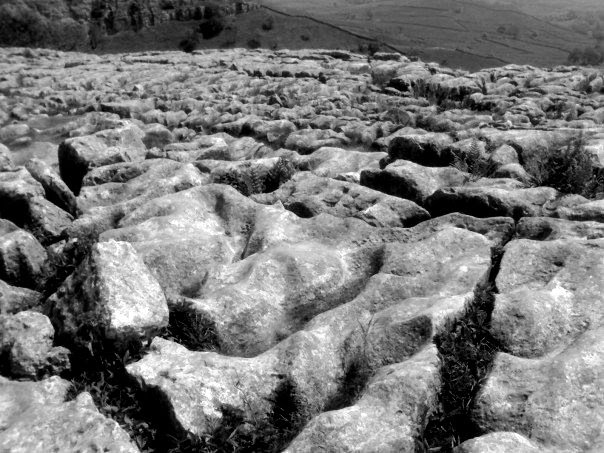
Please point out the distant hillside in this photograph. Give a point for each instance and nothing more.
(456, 33)
(71, 25)
(257, 28)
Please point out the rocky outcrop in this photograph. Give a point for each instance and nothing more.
(269, 252)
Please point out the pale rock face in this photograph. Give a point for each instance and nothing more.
(392, 409)
(324, 291)
(78, 155)
(26, 344)
(6, 162)
(414, 182)
(501, 442)
(118, 298)
(391, 319)
(549, 293)
(556, 400)
(35, 417)
(331, 162)
(544, 228)
(308, 195)
(22, 258)
(491, 201)
(15, 299)
(56, 190)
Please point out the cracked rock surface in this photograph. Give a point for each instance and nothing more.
(251, 250)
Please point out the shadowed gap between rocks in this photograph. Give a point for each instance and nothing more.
(467, 350)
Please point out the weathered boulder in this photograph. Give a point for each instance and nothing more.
(204, 147)
(157, 136)
(46, 221)
(499, 230)
(79, 154)
(414, 182)
(556, 400)
(130, 108)
(432, 149)
(548, 229)
(182, 236)
(491, 201)
(549, 293)
(415, 300)
(118, 299)
(6, 162)
(56, 191)
(590, 210)
(389, 416)
(22, 258)
(17, 188)
(308, 195)
(501, 442)
(26, 346)
(275, 132)
(14, 299)
(331, 162)
(306, 141)
(35, 417)
(104, 204)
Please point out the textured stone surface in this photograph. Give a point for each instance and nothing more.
(387, 418)
(556, 400)
(318, 296)
(56, 190)
(22, 259)
(309, 195)
(500, 442)
(78, 155)
(117, 298)
(549, 293)
(26, 346)
(14, 299)
(414, 182)
(36, 418)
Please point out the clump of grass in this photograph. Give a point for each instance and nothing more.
(255, 181)
(192, 330)
(467, 350)
(474, 163)
(570, 169)
(102, 373)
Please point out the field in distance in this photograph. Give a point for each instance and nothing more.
(464, 34)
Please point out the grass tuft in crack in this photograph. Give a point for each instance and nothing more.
(103, 375)
(467, 350)
(192, 330)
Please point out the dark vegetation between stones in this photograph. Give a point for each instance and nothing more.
(467, 350)
(255, 181)
(100, 370)
(571, 169)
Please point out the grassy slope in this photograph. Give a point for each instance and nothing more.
(454, 32)
(287, 32)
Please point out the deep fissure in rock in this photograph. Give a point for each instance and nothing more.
(467, 350)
